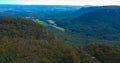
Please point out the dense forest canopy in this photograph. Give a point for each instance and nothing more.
(90, 34)
(24, 28)
(19, 44)
(93, 24)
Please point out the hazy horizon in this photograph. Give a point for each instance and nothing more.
(61, 2)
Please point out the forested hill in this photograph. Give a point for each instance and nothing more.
(24, 28)
(99, 25)
(25, 41)
(86, 37)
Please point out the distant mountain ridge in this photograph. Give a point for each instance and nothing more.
(42, 7)
(103, 23)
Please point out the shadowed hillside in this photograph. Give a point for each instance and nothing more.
(99, 25)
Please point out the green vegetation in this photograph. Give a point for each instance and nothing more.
(25, 41)
(100, 25)
(24, 28)
(19, 50)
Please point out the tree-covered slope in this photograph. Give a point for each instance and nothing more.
(25, 41)
(19, 50)
(24, 28)
(101, 24)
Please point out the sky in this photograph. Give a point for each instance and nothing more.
(61, 2)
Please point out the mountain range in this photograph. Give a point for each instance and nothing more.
(59, 34)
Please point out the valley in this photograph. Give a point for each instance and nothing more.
(59, 34)
(78, 24)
